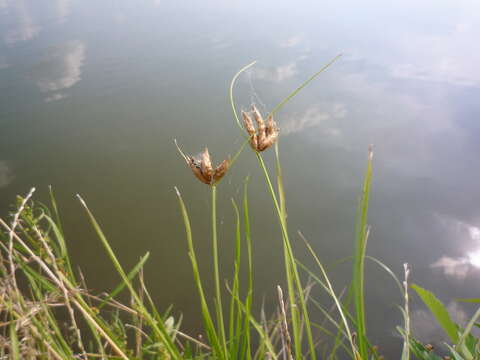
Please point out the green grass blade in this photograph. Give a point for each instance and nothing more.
(294, 289)
(216, 269)
(469, 300)
(456, 355)
(158, 327)
(305, 83)
(232, 99)
(245, 352)
(235, 317)
(331, 292)
(439, 312)
(14, 342)
(57, 230)
(283, 210)
(207, 318)
(280, 187)
(467, 330)
(359, 261)
(130, 277)
(264, 336)
(388, 271)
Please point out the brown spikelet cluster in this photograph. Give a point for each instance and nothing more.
(202, 168)
(265, 135)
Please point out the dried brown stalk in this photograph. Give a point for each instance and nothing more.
(286, 340)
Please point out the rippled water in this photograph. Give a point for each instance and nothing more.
(94, 92)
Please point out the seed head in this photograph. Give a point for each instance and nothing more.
(266, 134)
(202, 168)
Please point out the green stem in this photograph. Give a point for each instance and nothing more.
(210, 327)
(293, 278)
(218, 296)
(297, 90)
(232, 101)
(359, 264)
(248, 240)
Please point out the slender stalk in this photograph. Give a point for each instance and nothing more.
(248, 240)
(359, 263)
(157, 327)
(293, 278)
(406, 344)
(305, 83)
(331, 293)
(235, 317)
(210, 328)
(232, 101)
(218, 296)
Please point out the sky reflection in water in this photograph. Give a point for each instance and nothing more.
(94, 92)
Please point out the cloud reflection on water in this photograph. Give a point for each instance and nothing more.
(63, 9)
(316, 117)
(276, 74)
(467, 236)
(442, 58)
(62, 69)
(292, 41)
(24, 19)
(25, 27)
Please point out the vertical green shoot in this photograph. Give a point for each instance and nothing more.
(232, 100)
(235, 321)
(248, 240)
(207, 318)
(294, 284)
(359, 261)
(218, 296)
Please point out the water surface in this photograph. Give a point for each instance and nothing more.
(93, 94)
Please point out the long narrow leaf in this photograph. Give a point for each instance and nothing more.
(359, 261)
(122, 285)
(158, 327)
(439, 311)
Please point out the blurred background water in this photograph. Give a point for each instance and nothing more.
(92, 94)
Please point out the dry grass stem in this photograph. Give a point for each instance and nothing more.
(286, 339)
(12, 232)
(59, 280)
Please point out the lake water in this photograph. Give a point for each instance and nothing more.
(92, 94)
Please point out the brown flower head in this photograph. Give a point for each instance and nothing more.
(202, 167)
(265, 135)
